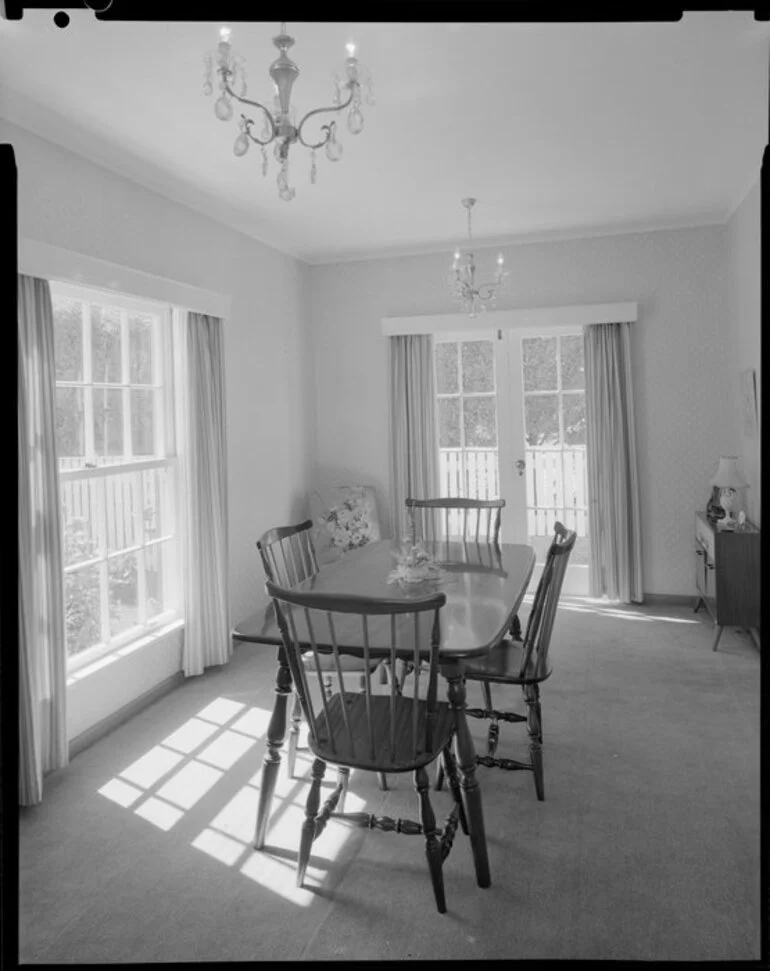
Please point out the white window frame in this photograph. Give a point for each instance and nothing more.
(162, 385)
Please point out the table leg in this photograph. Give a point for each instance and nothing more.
(276, 732)
(466, 760)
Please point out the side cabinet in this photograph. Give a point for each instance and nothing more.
(727, 575)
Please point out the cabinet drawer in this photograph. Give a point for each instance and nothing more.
(705, 536)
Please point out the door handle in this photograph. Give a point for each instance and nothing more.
(520, 466)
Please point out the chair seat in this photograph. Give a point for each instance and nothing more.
(352, 748)
(503, 663)
(347, 662)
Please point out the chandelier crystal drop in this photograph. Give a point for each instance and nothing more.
(277, 124)
(474, 297)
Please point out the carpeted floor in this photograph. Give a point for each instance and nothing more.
(646, 847)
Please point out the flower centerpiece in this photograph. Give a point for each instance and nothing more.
(348, 523)
(415, 565)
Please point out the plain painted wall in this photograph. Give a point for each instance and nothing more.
(684, 405)
(67, 201)
(744, 320)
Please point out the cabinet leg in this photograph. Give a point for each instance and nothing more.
(717, 635)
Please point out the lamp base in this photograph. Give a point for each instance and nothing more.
(714, 511)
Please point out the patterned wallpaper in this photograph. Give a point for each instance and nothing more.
(680, 347)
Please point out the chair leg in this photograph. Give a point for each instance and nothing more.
(311, 811)
(382, 779)
(343, 778)
(432, 842)
(439, 783)
(296, 718)
(493, 734)
(535, 729)
(450, 768)
(516, 628)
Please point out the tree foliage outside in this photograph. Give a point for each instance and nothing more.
(553, 380)
(107, 403)
(82, 589)
(546, 360)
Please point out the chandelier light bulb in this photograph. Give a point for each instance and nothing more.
(224, 34)
(500, 259)
(350, 47)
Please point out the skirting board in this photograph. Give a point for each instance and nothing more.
(122, 715)
(672, 599)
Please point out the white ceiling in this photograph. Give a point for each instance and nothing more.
(559, 130)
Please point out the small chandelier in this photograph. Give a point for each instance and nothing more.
(279, 123)
(472, 296)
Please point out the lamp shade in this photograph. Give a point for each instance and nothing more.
(727, 475)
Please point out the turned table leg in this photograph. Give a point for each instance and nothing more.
(276, 731)
(466, 761)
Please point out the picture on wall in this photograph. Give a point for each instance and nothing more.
(749, 403)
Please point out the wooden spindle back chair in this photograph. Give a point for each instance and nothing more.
(525, 664)
(287, 553)
(377, 729)
(288, 557)
(472, 520)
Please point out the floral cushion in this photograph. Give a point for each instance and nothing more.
(350, 523)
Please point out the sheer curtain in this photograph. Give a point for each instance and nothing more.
(614, 522)
(202, 458)
(413, 443)
(42, 646)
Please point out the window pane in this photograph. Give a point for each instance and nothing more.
(68, 339)
(70, 424)
(446, 369)
(80, 520)
(143, 422)
(574, 417)
(82, 604)
(105, 345)
(156, 591)
(140, 348)
(121, 500)
(538, 355)
(480, 422)
(108, 422)
(541, 419)
(157, 518)
(449, 422)
(572, 374)
(478, 366)
(123, 593)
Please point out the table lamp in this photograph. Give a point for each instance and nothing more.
(726, 483)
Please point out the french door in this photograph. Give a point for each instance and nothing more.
(511, 423)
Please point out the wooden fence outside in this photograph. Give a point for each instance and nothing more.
(556, 484)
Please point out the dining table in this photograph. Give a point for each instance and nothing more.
(484, 585)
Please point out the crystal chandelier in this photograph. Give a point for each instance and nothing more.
(279, 123)
(472, 296)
